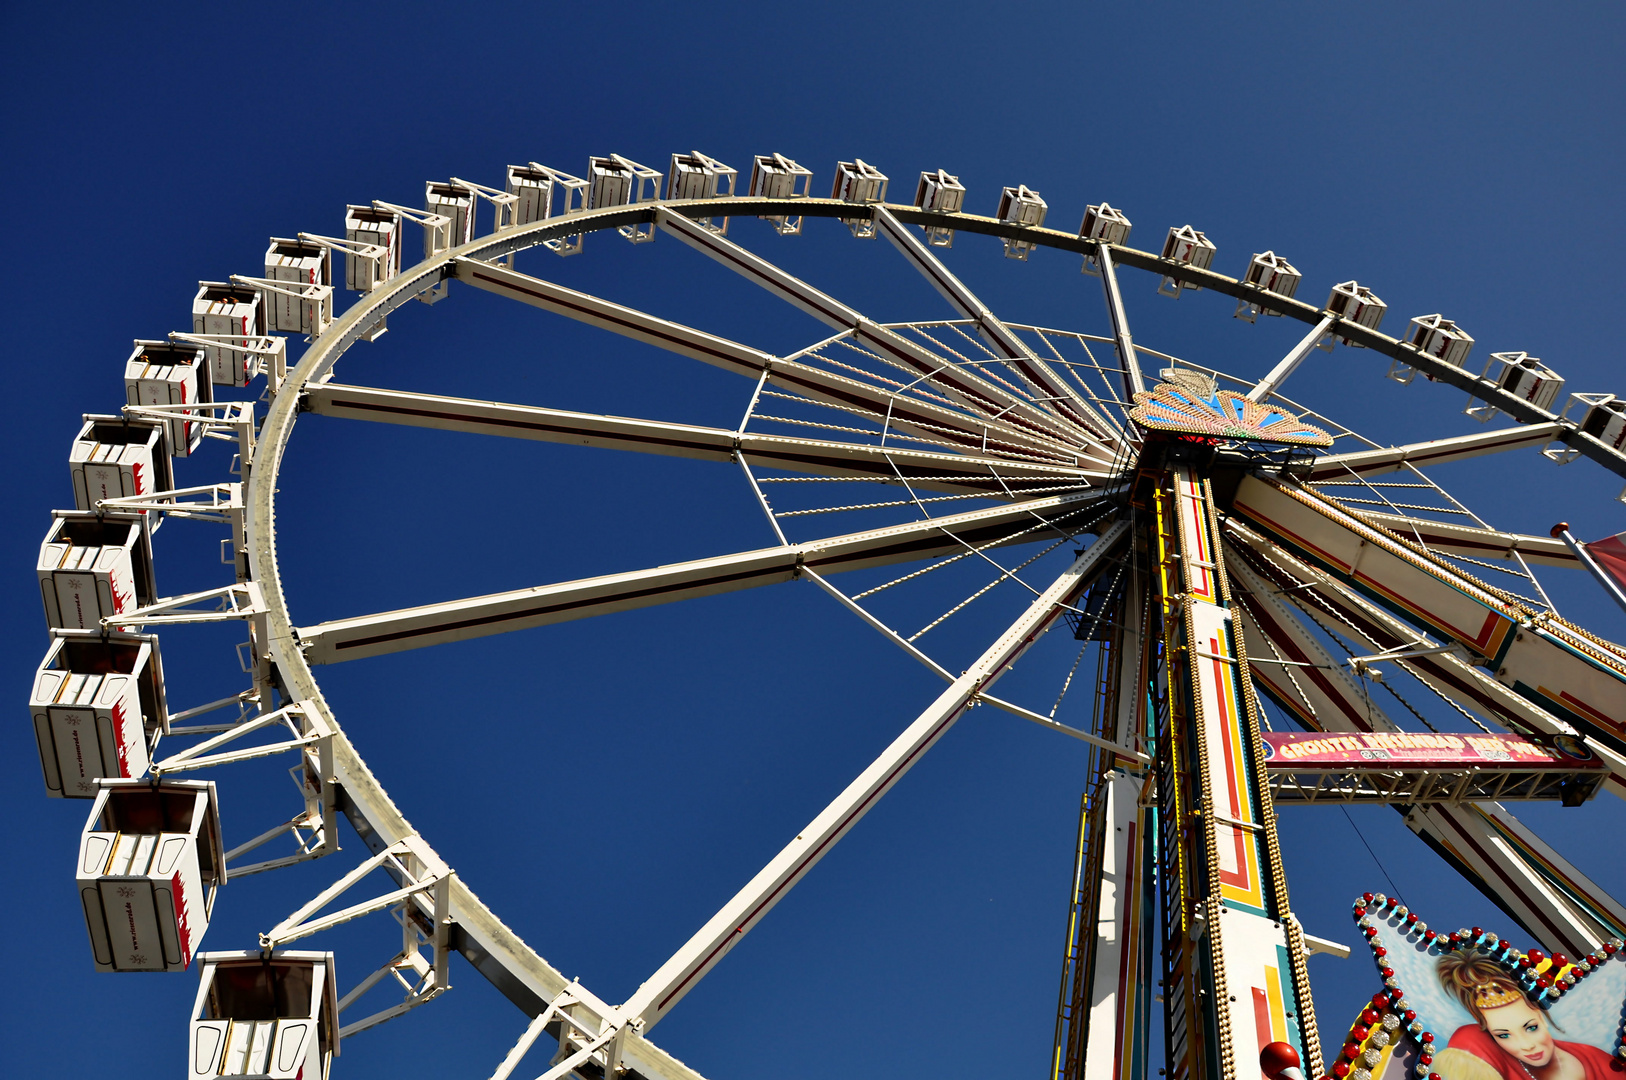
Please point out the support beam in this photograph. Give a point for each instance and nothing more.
(1289, 363)
(1560, 907)
(881, 405)
(1393, 784)
(1366, 463)
(1540, 889)
(1356, 617)
(711, 943)
(1117, 1022)
(461, 620)
(1319, 595)
(995, 477)
(1133, 382)
(1103, 1022)
(1311, 686)
(1227, 927)
(1525, 877)
(1473, 542)
(1060, 394)
(1539, 656)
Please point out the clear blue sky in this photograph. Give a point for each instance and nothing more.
(605, 785)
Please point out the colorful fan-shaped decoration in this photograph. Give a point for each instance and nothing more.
(1187, 403)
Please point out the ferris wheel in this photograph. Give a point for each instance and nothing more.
(1263, 606)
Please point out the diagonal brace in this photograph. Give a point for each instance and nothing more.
(408, 858)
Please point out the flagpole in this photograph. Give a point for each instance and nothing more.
(1562, 532)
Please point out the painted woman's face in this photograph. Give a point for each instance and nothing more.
(1521, 1029)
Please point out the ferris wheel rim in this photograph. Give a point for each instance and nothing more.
(496, 951)
(501, 956)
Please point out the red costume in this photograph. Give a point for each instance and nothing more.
(1599, 1065)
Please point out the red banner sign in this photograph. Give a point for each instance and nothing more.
(1301, 749)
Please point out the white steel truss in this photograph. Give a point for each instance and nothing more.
(423, 897)
(997, 477)
(315, 828)
(270, 353)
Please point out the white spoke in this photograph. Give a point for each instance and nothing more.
(1365, 463)
(1310, 684)
(702, 952)
(459, 620)
(1468, 540)
(1133, 382)
(941, 472)
(969, 389)
(882, 405)
(1289, 363)
(1057, 391)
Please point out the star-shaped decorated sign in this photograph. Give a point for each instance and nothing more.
(1470, 1005)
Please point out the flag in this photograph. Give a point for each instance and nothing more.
(1610, 555)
